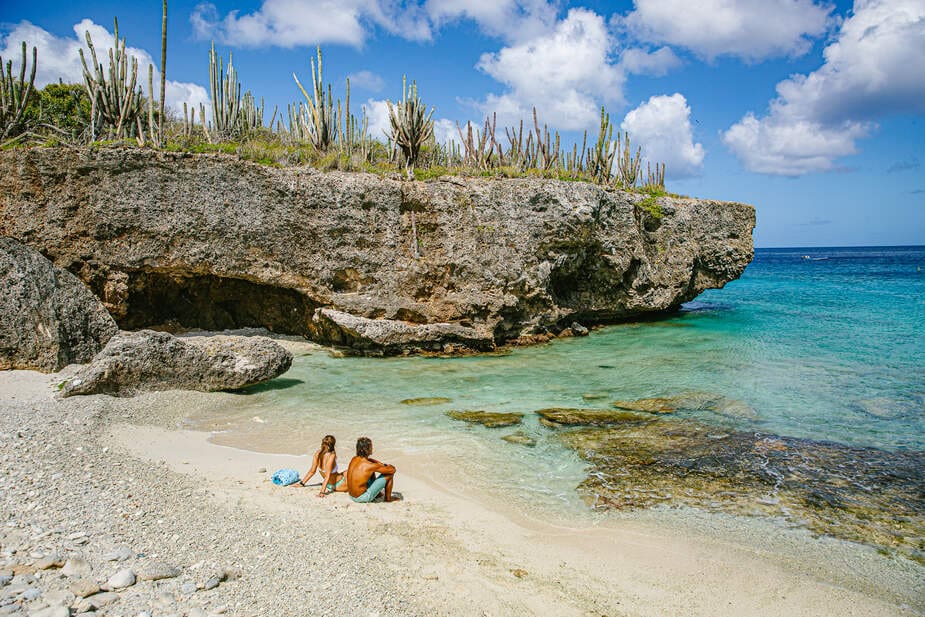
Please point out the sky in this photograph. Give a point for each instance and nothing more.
(812, 111)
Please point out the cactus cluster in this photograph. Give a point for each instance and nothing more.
(14, 94)
(115, 97)
(323, 131)
(411, 124)
(233, 115)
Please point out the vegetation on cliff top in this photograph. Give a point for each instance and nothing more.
(320, 131)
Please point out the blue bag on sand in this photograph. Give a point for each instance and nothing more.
(285, 477)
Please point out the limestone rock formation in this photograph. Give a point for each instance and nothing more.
(48, 318)
(389, 336)
(134, 362)
(214, 242)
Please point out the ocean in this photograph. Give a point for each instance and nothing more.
(812, 350)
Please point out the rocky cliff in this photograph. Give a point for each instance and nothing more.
(215, 242)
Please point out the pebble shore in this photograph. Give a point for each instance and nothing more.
(87, 530)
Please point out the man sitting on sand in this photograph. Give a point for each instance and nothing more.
(362, 483)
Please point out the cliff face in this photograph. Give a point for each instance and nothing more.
(214, 242)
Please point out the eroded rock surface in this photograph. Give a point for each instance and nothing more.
(214, 242)
(48, 318)
(134, 362)
(488, 419)
(555, 417)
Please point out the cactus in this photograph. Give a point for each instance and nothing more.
(154, 132)
(628, 165)
(14, 93)
(226, 97)
(655, 179)
(547, 155)
(320, 121)
(115, 100)
(163, 118)
(411, 124)
(601, 156)
(479, 150)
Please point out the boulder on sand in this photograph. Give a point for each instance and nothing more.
(134, 362)
(48, 318)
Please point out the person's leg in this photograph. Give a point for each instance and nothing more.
(374, 489)
(388, 487)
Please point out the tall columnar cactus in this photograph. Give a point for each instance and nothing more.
(14, 93)
(115, 99)
(320, 120)
(547, 154)
(226, 96)
(480, 149)
(601, 156)
(411, 124)
(628, 165)
(655, 179)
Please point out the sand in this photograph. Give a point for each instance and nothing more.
(139, 480)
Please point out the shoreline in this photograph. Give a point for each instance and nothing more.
(441, 551)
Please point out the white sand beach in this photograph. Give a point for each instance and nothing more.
(86, 476)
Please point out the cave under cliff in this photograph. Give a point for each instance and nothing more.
(210, 302)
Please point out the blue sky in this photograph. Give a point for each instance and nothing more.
(812, 111)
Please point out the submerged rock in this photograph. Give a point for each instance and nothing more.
(648, 405)
(859, 494)
(426, 400)
(48, 318)
(134, 362)
(555, 417)
(489, 419)
(520, 438)
(691, 401)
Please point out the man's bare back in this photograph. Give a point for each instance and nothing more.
(362, 483)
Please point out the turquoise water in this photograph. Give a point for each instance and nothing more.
(830, 347)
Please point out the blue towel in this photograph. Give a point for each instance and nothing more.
(285, 477)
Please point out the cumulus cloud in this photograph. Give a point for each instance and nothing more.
(750, 29)
(366, 80)
(643, 62)
(292, 23)
(662, 126)
(867, 75)
(563, 73)
(377, 112)
(512, 20)
(58, 59)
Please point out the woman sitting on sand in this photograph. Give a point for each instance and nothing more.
(325, 462)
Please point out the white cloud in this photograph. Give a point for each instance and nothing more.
(790, 148)
(58, 59)
(750, 29)
(662, 126)
(512, 20)
(445, 131)
(366, 80)
(377, 111)
(869, 72)
(293, 23)
(563, 73)
(657, 63)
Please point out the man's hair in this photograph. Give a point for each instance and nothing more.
(364, 447)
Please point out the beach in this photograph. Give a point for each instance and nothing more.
(85, 476)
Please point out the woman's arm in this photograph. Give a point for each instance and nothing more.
(311, 471)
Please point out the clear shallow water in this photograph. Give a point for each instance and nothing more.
(826, 348)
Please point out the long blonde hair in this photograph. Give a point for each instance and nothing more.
(327, 444)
